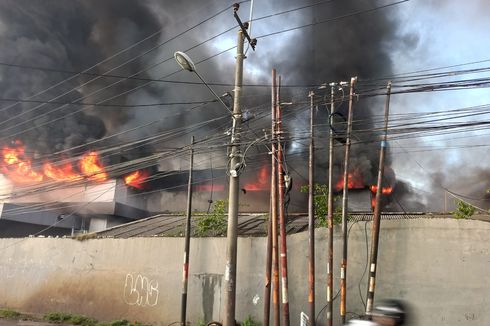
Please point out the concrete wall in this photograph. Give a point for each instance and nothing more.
(440, 266)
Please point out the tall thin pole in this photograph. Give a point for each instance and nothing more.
(235, 162)
(343, 266)
(185, 269)
(377, 209)
(330, 211)
(282, 219)
(311, 222)
(275, 244)
(272, 212)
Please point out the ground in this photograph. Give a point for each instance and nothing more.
(12, 322)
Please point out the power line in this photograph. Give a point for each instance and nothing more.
(86, 71)
(106, 87)
(404, 74)
(107, 105)
(333, 19)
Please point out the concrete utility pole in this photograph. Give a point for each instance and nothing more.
(234, 169)
(330, 210)
(311, 221)
(343, 266)
(272, 225)
(185, 269)
(377, 209)
(235, 166)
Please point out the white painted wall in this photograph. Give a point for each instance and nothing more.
(440, 266)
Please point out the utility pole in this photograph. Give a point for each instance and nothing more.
(343, 266)
(377, 209)
(282, 220)
(235, 164)
(275, 243)
(234, 167)
(273, 212)
(311, 222)
(330, 210)
(185, 269)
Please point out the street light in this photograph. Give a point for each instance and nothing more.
(186, 63)
(236, 163)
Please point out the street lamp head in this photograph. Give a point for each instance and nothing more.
(184, 61)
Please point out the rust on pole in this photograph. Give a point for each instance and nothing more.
(268, 271)
(272, 210)
(275, 246)
(185, 268)
(311, 221)
(377, 209)
(343, 264)
(330, 211)
(282, 219)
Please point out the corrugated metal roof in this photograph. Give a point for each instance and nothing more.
(165, 225)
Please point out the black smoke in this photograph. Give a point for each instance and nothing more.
(331, 52)
(76, 35)
(70, 36)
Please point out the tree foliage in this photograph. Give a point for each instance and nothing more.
(215, 223)
(320, 204)
(464, 210)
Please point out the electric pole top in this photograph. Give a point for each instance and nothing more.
(243, 26)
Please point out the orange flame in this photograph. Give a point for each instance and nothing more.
(262, 182)
(354, 181)
(18, 167)
(61, 173)
(136, 179)
(384, 191)
(91, 167)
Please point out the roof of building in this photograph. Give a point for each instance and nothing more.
(253, 224)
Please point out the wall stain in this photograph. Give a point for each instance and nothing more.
(211, 286)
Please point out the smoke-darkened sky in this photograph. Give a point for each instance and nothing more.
(77, 35)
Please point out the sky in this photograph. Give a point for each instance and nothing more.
(347, 38)
(449, 33)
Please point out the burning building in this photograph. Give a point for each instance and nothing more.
(52, 149)
(74, 195)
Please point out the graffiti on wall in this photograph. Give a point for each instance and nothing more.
(140, 291)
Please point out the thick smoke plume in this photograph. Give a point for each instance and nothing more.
(356, 46)
(77, 34)
(70, 36)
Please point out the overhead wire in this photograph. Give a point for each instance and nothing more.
(112, 84)
(126, 92)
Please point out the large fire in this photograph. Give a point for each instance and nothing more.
(17, 167)
(92, 168)
(262, 182)
(384, 191)
(63, 172)
(136, 179)
(354, 181)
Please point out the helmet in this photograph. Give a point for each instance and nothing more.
(393, 309)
